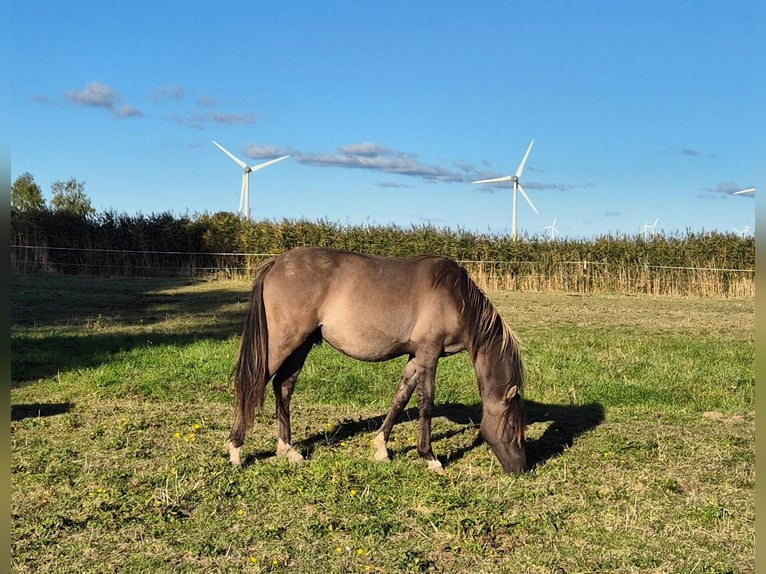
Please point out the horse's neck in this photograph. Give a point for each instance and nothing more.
(492, 367)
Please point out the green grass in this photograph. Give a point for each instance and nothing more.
(641, 434)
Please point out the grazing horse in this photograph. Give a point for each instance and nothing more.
(373, 309)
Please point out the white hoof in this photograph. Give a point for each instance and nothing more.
(381, 456)
(381, 452)
(284, 449)
(294, 456)
(435, 466)
(234, 456)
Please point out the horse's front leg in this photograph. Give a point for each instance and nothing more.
(426, 385)
(399, 401)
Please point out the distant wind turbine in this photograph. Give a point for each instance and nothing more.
(748, 191)
(553, 229)
(516, 185)
(645, 229)
(244, 196)
(743, 232)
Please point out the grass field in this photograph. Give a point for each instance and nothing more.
(641, 439)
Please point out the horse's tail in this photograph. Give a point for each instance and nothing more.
(251, 371)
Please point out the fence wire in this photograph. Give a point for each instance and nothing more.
(570, 276)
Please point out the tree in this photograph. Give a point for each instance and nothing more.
(26, 195)
(70, 196)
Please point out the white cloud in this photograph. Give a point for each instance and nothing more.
(392, 185)
(171, 92)
(127, 112)
(725, 188)
(256, 151)
(98, 95)
(206, 101)
(95, 94)
(374, 157)
(233, 119)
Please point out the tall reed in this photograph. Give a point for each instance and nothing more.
(703, 264)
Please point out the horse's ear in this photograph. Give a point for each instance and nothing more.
(511, 393)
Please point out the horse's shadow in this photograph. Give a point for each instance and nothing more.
(38, 410)
(565, 424)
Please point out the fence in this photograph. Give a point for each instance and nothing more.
(566, 276)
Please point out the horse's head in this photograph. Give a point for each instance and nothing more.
(503, 423)
(496, 354)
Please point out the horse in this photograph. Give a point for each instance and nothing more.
(375, 308)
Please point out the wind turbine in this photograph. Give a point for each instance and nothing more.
(553, 229)
(743, 232)
(647, 227)
(244, 196)
(748, 191)
(516, 185)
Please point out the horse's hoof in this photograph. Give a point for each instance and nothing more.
(435, 466)
(294, 456)
(381, 457)
(234, 456)
(381, 452)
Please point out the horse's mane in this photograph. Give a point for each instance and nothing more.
(485, 325)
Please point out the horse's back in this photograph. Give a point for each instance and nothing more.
(369, 307)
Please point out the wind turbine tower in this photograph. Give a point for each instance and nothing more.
(516, 186)
(244, 196)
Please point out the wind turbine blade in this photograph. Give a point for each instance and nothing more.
(268, 163)
(495, 179)
(529, 201)
(239, 162)
(524, 161)
(744, 191)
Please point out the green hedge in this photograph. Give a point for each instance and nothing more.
(112, 243)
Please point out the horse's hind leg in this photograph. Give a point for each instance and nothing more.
(400, 400)
(284, 384)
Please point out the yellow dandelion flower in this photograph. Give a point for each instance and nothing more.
(360, 551)
(353, 492)
(339, 550)
(178, 435)
(197, 426)
(329, 426)
(275, 562)
(241, 512)
(343, 444)
(253, 559)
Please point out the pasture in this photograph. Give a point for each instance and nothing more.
(641, 441)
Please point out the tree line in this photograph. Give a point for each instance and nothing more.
(69, 235)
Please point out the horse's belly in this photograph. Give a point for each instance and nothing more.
(364, 344)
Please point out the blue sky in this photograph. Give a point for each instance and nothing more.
(389, 110)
